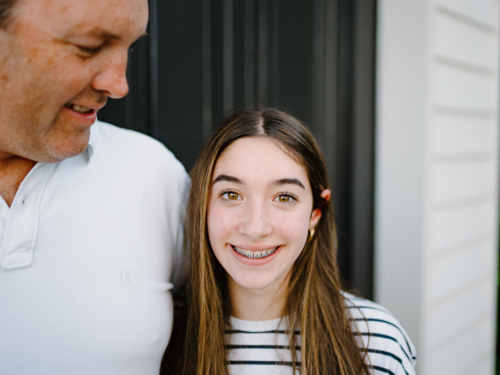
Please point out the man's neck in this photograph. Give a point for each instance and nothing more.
(13, 170)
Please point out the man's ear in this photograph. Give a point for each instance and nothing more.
(316, 213)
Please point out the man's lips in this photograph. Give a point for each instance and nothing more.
(84, 109)
(80, 115)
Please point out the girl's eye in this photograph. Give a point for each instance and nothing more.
(231, 195)
(284, 198)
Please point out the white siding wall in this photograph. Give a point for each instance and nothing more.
(437, 178)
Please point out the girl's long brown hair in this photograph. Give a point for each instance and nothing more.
(314, 299)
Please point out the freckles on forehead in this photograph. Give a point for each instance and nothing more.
(93, 6)
(121, 16)
(126, 13)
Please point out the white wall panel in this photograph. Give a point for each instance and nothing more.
(454, 134)
(451, 227)
(454, 271)
(465, 43)
(459, 88)
(449, 318)
(459, 180)
(399, 171)
(437, 178)
(484, 11)
(462, 353)
(484, 367)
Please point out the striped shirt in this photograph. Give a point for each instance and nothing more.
(262, 347)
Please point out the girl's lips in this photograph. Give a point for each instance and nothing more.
(255, 254)
(254, 261)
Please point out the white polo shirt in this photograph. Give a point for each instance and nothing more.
(87, 252)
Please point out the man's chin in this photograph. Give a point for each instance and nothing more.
(59, 151)
(56, 157)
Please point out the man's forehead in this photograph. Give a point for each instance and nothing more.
(106, 18)
(70, 6)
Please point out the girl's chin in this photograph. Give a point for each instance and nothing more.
(257, 283)
(253, 287)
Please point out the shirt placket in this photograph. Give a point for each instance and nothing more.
(22, 220)
(4, 213)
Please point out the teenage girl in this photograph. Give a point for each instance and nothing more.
(264, 294)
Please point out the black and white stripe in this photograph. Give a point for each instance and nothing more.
(262, 347)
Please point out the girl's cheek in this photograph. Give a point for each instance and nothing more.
(221, 221)
(293, 226)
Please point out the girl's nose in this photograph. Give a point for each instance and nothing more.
(255, 222)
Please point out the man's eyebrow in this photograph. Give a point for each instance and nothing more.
(287, 181)
(103, 34)
(223, 177)
(107, 35)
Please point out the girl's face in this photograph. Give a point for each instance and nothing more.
(259, 213)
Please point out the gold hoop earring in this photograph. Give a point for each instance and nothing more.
(310, 234)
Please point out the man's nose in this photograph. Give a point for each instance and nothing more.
(112, 77)
(255, 223)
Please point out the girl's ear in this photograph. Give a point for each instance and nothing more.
(316, 214)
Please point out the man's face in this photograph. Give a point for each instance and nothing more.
(59, 62)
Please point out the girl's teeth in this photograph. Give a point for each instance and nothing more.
(255, 254)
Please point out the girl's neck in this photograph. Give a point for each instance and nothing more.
(257, 305)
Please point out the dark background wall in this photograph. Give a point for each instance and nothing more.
(314, 59)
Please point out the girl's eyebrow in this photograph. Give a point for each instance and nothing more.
(283, 181)
(223, 177)
(287, 181)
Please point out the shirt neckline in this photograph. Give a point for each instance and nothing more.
(257, 325)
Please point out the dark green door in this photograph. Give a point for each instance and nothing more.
(314, 59)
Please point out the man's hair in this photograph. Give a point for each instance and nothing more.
(6, 7)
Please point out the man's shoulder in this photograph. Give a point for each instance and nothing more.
(115, 138)
(132, 147)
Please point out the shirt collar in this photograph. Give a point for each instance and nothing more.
(90, 150)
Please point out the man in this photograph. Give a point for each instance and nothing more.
(90, 214)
